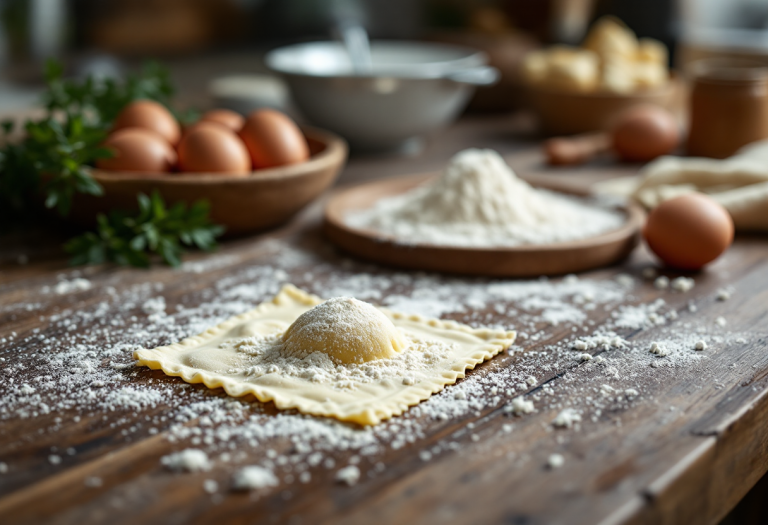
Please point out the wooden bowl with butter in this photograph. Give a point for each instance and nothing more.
(563, 112)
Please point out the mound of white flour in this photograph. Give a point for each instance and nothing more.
(478, 201)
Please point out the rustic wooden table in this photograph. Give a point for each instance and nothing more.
(684, 449)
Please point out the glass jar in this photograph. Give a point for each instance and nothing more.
(728, 106)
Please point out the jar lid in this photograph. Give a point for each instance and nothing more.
(729, 70)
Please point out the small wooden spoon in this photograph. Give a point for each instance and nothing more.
(568, 151)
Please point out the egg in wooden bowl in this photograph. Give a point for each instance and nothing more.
(213, 160)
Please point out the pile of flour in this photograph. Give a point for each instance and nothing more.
(267, 356)
(478, 201)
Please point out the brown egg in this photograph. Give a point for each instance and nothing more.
(140, 150)
(150, 115)
(642, 133)
(225, 117)
(212, 148)
(689, 231)
(273, 139)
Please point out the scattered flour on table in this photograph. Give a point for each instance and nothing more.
(189, 460)
(254, 477)
(478, 201)
(349, 475)
(555, 461)
(78, 366)
(78, 284)
(566, 418)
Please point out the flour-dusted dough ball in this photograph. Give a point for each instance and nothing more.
(345, 329)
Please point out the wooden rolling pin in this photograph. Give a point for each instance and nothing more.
(638, 134)
(568, 151)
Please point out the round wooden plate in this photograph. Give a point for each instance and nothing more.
(264, 199)
(520, 261)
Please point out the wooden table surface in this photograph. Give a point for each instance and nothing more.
(684, 449)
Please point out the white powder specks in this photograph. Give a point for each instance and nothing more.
(659, 350)
(254, 477)
(720, 321)
(3, 467)
(661, 282)
(189, 460)
(555, 461)
(211, 486)
(566, 418)
(700, 345)
(53, 459)
(580, 345)
(154, 305)
(639, 316)
(723, 294)
(520, 406)
(478, 201)
(75, 285)
(93, 482)
(683, 284)
(130, 397)
(349, 475)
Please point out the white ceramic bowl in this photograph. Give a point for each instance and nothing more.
(412, 88)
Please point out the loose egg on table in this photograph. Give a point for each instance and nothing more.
(273, 139)
(689, 231)
(138, 150)
(642, 133)
(151, 115)
(211, 148)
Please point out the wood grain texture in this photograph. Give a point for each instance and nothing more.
(686, 453)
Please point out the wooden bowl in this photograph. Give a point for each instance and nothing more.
(264, 199)
(567, 113)
(519, 261)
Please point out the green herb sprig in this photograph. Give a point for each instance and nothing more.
(130, 239)
(54, 156)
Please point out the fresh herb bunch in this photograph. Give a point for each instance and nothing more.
(53, 158)
(55, 150)
(102, 100)
(127, 239)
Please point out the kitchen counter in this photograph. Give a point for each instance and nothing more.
(661, 440)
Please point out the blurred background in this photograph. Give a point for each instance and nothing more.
(204, 40)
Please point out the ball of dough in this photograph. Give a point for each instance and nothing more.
(345, 329)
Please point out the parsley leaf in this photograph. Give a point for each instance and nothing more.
(128, 239)
(53, 156)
